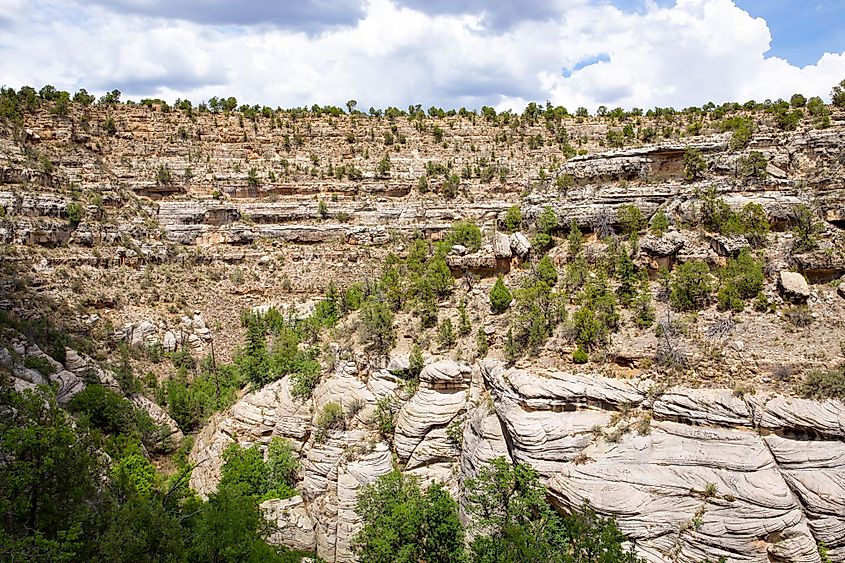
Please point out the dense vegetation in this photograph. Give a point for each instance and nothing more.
(512, 522)
(61, 499)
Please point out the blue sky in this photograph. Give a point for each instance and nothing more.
(801, 31)
(450, 53)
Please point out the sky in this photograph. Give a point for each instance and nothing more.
(448, 53)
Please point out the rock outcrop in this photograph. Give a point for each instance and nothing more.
(689, 474)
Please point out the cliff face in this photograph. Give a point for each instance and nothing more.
(132, 224)
(690, 474)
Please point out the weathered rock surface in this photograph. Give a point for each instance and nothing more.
(793, 287)
(256, 418)
(293, 526)
(689, 474)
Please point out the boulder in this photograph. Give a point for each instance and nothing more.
(520, 245)
(501, 245)
(793, 287)
(729, 245)
(444, 373)
(666, 245)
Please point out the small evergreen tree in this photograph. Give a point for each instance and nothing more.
(481, 342)
(659, 223)
(464, 326)
(446, 334)
(694, 164)
(513, 219)
(576, 239)
(546, 271)
(500, 296)
(627, 275)
(377, 326)
(691, 286)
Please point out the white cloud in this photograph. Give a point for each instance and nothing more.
(687, 54)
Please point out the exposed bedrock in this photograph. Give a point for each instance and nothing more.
(689, 474)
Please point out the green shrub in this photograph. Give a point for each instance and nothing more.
(245, 471)
(252, 177)
(423, 185)
(304, 383)
(513, 219)
(576, 274)
(728, 298)
(576, 239)
(546, 271)
(385, 417)
(626, 273)
(465, 233)
(40, 364)
(182, 359)
(403, 523)
(74, 213)
(446, 334)
(822, 385)
(644, 314)
(691, 286)
(330, 418)
(547, 221)
(837, 95)
(538, 311)
(631, 219)
(481, 342)
(580, 356)
(383, 168)
(415, 362)
(597, 315)
(741, 278)
(694, 164)
(516, 523)
(164, 175)
(104, 409)
(190, 404)
(743, 129)
(787, 120)
(755, 224)
(752, 166)
(464, 325)
(377, 329)
(798, 101)
(137, 471)
(352, 298)
(449, 189)
(805, 230)
(659, 223)
(500, 296)
(762, 304)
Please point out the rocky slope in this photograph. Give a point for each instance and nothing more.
(149, 227)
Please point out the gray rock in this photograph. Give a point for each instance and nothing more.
(666, 245)
(501, 245)
(444, 373)
(293, 526)
(728, 245)
(520, 245)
